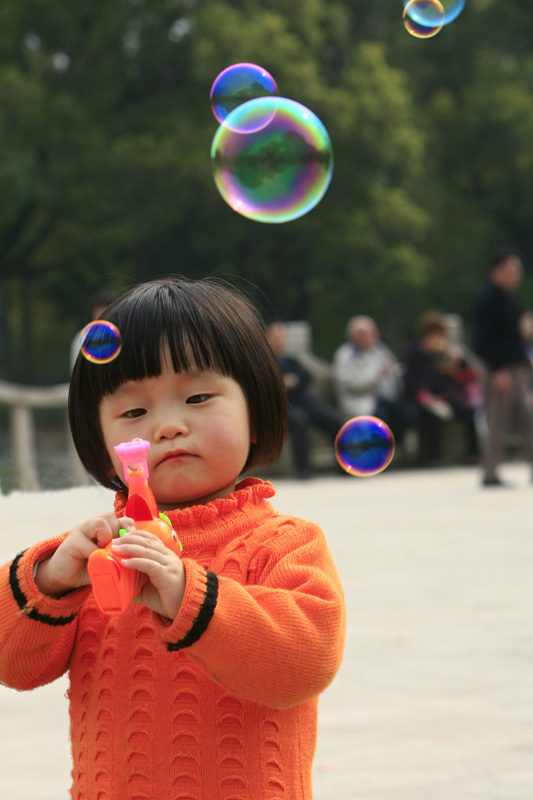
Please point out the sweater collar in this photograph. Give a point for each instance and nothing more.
(218, 521)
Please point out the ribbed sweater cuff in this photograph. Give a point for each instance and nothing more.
(34, 604)
(196, 610)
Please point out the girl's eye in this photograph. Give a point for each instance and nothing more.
(134, 412)
(195, 399)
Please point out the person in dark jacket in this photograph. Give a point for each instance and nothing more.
(306, 408)
(433, 366)
(506, 367)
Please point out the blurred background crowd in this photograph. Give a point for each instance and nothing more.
(105, 135)
(446, 400)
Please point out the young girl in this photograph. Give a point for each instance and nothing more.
(207, 687)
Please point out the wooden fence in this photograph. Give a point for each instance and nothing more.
(22, 400)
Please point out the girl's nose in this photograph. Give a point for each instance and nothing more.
(170, 425)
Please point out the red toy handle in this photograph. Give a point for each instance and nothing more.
(114, 586)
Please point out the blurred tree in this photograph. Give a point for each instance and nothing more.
(473, 91)
(105, 132)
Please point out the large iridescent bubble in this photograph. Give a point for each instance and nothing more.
(451, 8)
(279, 172)
(237, 85)
(423, 18)
(100, 342)
(364, 446)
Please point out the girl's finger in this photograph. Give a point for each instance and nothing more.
(149, 540)
(124, 524)
(98, 530)
(147, 566)
(150, 549)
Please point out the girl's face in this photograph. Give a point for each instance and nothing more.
(198, 427)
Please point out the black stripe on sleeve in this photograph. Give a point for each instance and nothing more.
(22, 600)
(204, 615)
(14, 582)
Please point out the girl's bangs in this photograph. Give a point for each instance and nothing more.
(193, 337)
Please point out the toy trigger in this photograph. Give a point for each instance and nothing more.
(138, 508)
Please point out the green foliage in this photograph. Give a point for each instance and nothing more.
(105, 133)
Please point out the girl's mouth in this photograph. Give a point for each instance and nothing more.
(175, 455)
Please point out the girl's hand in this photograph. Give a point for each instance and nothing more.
(67, 568)
(163, 592)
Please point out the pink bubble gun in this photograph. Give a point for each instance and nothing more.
(114, 586)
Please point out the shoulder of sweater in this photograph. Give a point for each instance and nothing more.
(283, 533)
(288, 540)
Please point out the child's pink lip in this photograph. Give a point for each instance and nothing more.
(175, 454)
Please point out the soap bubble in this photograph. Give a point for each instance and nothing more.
(277, 173)
(236, 85)
(423, 18)
(100, 342)
(452, 9)
(364, 446)
(420, 31)
(426, 12)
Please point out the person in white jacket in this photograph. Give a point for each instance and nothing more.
(368, 378)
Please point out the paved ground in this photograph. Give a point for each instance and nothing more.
(434, 700)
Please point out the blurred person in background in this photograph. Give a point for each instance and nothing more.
(435, 378)
(306, 407)
(368, 378)
(500, 344)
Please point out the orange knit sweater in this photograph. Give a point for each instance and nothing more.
(219, 704)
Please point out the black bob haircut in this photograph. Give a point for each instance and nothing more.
(207, 324)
